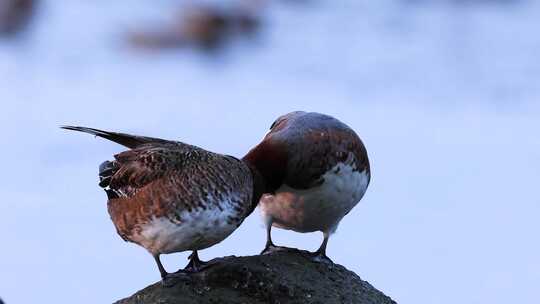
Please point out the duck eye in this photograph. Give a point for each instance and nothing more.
(273, 124)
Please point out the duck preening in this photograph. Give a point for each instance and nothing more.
(168, 196)
(316, 169)
(308, 172)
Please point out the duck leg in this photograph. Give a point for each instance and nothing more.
(167, 279)
(162, 270)
(270, 247)
(320, 254)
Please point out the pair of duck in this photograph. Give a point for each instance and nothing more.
(308, 172)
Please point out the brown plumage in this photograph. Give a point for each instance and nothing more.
(168, 196)
(316, 169)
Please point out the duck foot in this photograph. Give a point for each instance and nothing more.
(273, 248)
(195, 264)
(319, 257)
(170, 279)
(190, 268)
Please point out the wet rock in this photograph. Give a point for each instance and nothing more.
(280, 277)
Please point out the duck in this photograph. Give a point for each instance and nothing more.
(169, 196)
(201, 26)
(14, 15)
(315, 170)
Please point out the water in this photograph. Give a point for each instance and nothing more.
(443, 93)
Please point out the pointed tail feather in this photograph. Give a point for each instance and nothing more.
(127, 140)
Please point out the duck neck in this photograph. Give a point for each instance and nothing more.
(259, 186)
(269, 161)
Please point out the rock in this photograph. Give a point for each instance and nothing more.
(288, 276)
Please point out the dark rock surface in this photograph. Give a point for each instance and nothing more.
(280, 277)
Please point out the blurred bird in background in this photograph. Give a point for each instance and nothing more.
(15, 15)
(202, 26)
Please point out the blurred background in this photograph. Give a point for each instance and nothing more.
(444, 94)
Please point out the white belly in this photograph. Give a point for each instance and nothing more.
(319, 208)
(195, 230)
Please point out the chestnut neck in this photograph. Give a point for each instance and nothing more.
(260, 186)
(269, 162)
